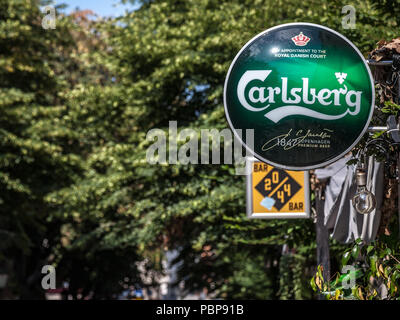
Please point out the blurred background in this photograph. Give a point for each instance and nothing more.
(76, 192)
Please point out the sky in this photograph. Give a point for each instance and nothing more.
(105, 8)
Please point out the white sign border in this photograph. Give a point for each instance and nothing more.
(271, 215)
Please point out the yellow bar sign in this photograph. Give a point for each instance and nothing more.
(274, 193)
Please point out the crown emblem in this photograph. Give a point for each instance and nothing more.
(300, 40)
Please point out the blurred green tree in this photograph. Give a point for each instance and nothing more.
(80, 170)
(168, 61)
(34, 157)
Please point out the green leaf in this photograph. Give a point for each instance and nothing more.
(358, 241)
(388, 251)
(345, 258)
(355, 252)
(313, 285)
(372, 263)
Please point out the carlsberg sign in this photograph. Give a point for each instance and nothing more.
(305, 90)
(298, 96)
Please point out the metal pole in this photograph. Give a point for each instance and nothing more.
(377, 128)
(398, 163)
(383, 63)
(323, 256)
(398, 192)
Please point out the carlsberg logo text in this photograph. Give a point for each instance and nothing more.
(295, 100)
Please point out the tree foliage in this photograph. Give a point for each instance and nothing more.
(78, 102)
(34, 156)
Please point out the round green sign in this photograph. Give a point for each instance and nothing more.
(305, 90)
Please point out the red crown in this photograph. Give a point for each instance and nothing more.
(300, 40)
